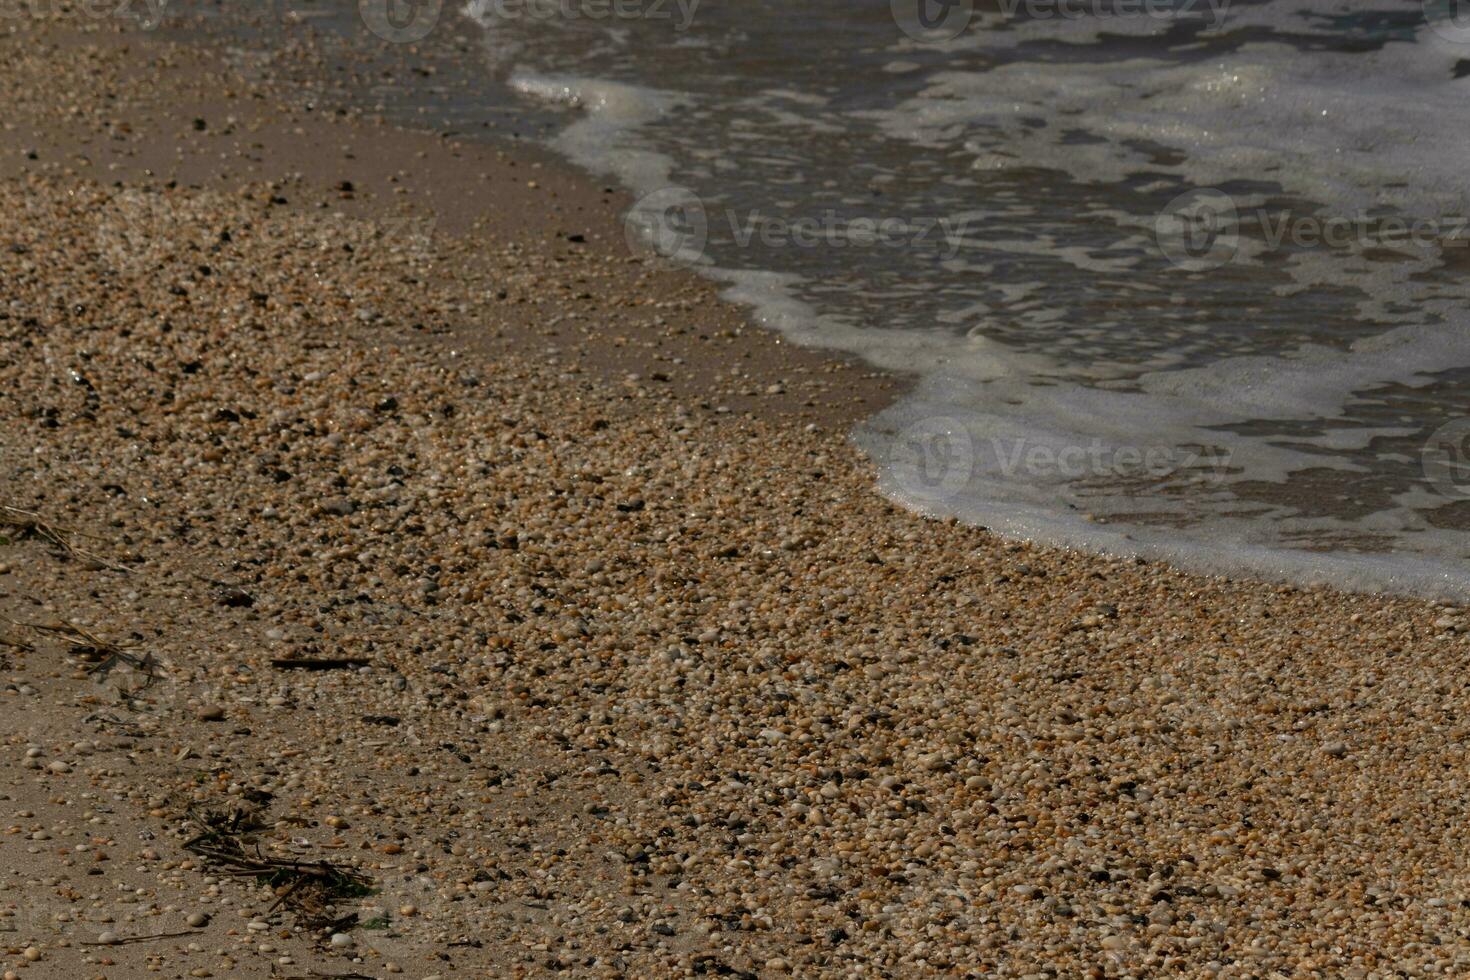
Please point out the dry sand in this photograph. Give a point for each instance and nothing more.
(645, 680)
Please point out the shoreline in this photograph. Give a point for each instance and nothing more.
(424, 184)
(621, 684)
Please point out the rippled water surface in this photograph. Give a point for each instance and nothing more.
(1189, 283)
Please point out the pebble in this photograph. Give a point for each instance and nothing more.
(822, 735)
(197, 920)
(338, 507)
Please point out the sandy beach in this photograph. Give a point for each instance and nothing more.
(402, 577)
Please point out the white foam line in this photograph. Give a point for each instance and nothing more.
(1315, 123)
(601, 139)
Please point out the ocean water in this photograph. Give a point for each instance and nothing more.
(1186, 279)
(1176, 280)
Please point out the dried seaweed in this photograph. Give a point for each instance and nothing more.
(99, 656)
(309, 889)
(29, 524)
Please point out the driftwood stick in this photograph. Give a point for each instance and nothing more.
(320, 663)
(128, 940)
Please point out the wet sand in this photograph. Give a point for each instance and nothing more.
(627, 670)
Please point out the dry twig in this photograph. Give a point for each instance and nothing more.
(29, 524)
(15, 644)
(128, 940)
(307, 888)
(100, 656)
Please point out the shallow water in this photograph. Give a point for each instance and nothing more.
(1177, 280)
